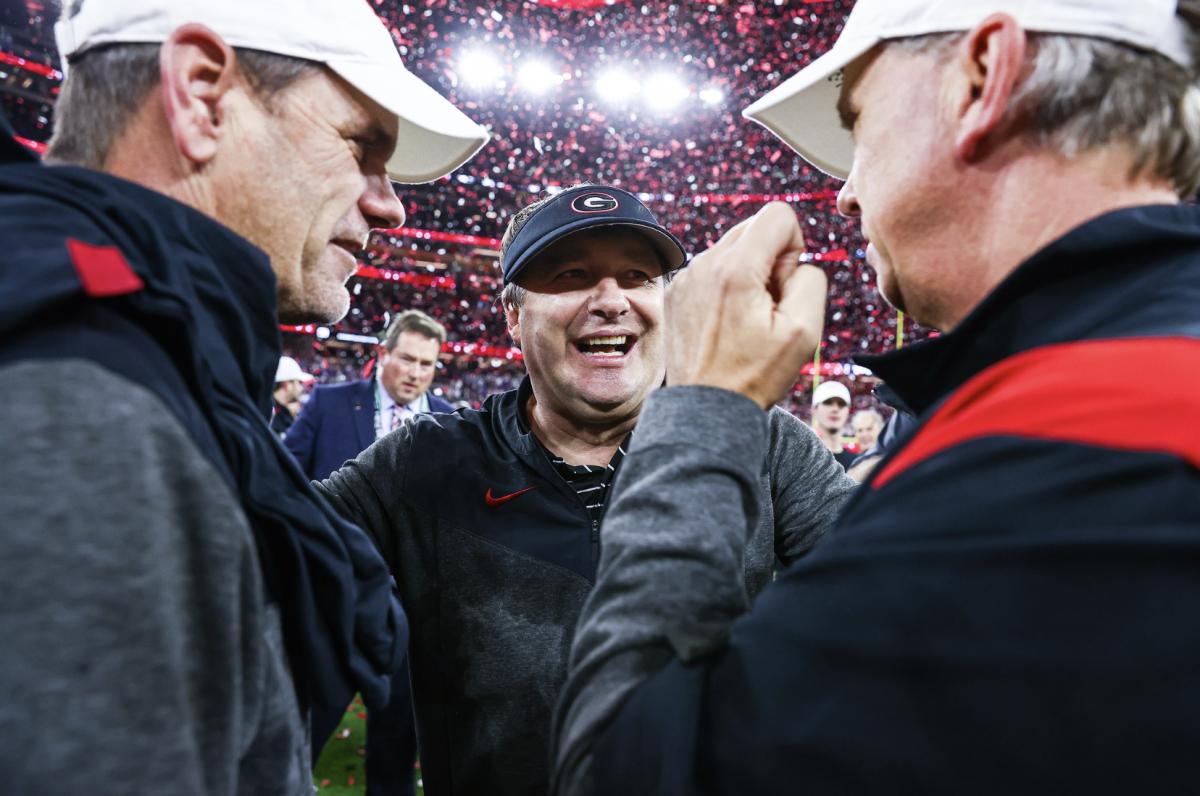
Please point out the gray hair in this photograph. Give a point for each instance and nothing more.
(413, 321)
(106, 86)
(872, 413)
(1081, 93)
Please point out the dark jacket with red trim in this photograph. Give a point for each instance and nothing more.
(176, 595)
(495, 554)
(1009, 606)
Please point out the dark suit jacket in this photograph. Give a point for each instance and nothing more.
(337, 424)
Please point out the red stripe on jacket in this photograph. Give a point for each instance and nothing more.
(103, 270)
(1108, 393)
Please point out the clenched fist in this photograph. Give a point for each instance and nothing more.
(744, 316)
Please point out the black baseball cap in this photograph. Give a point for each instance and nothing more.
(588, 207)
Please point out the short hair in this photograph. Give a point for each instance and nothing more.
(513, 295)
(413, 321)
(1080, 93)
(105, 86)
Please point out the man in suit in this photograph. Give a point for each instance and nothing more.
(339, 422)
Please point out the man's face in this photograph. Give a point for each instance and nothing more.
(407, 370)
(303, 178)
(289, 390)
(831, 415)
(901, 185)
(590, 328)
(866, 430)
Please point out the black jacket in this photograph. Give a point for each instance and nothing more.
(495, 554)
(102, 269)
(1008, 605)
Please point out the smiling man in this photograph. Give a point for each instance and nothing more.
(178, 599)
(491, 519)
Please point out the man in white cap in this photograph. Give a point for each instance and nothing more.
(830, 411)
(1007, 605)
(178, 598)
(290, 380)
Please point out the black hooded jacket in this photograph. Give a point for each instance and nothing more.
(99, 275)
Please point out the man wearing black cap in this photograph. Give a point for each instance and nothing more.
(490, 519)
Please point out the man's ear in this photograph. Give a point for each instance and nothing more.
(991, 57)
(197, 69)
(512, 316)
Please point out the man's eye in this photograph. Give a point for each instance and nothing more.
(570, 273)
(359, 147)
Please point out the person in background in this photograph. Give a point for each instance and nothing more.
(173, 617)
(290, 381)
(866, 424)
(830, 411)
(337, 423)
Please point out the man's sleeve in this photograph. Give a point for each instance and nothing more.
(302, 436)
(132, 617)
(808, 486)
(368, 491)
(684, 504)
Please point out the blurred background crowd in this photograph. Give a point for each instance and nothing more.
(646, 97)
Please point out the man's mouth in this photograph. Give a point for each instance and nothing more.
(607, 346)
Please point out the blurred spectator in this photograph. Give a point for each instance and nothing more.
(831, 410)
(867, 425)
(289, 386)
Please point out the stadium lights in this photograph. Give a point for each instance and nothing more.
(665, 91)
(616, 85)
(479, 69)
(538, 78)
(712, 95)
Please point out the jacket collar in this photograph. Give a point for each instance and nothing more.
(195, 269)
(1072, 289)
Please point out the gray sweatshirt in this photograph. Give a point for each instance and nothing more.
(664, 591)
(138, 651)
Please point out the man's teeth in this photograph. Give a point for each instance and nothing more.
(604, 346)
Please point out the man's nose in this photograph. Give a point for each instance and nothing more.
(847, 200)
(609, 299)
(379, 204)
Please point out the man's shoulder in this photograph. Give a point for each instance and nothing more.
(330, 396)
(344, 387)
(437, 404)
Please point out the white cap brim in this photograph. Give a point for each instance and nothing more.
(803, 110)
(434, 138)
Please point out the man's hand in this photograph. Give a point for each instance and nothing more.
(744, 316)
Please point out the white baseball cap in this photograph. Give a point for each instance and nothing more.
(828, 390)
(435, 137)
(289, 370)
(803, 109)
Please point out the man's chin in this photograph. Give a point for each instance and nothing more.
(323, 308)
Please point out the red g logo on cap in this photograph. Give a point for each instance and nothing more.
(594, 203)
